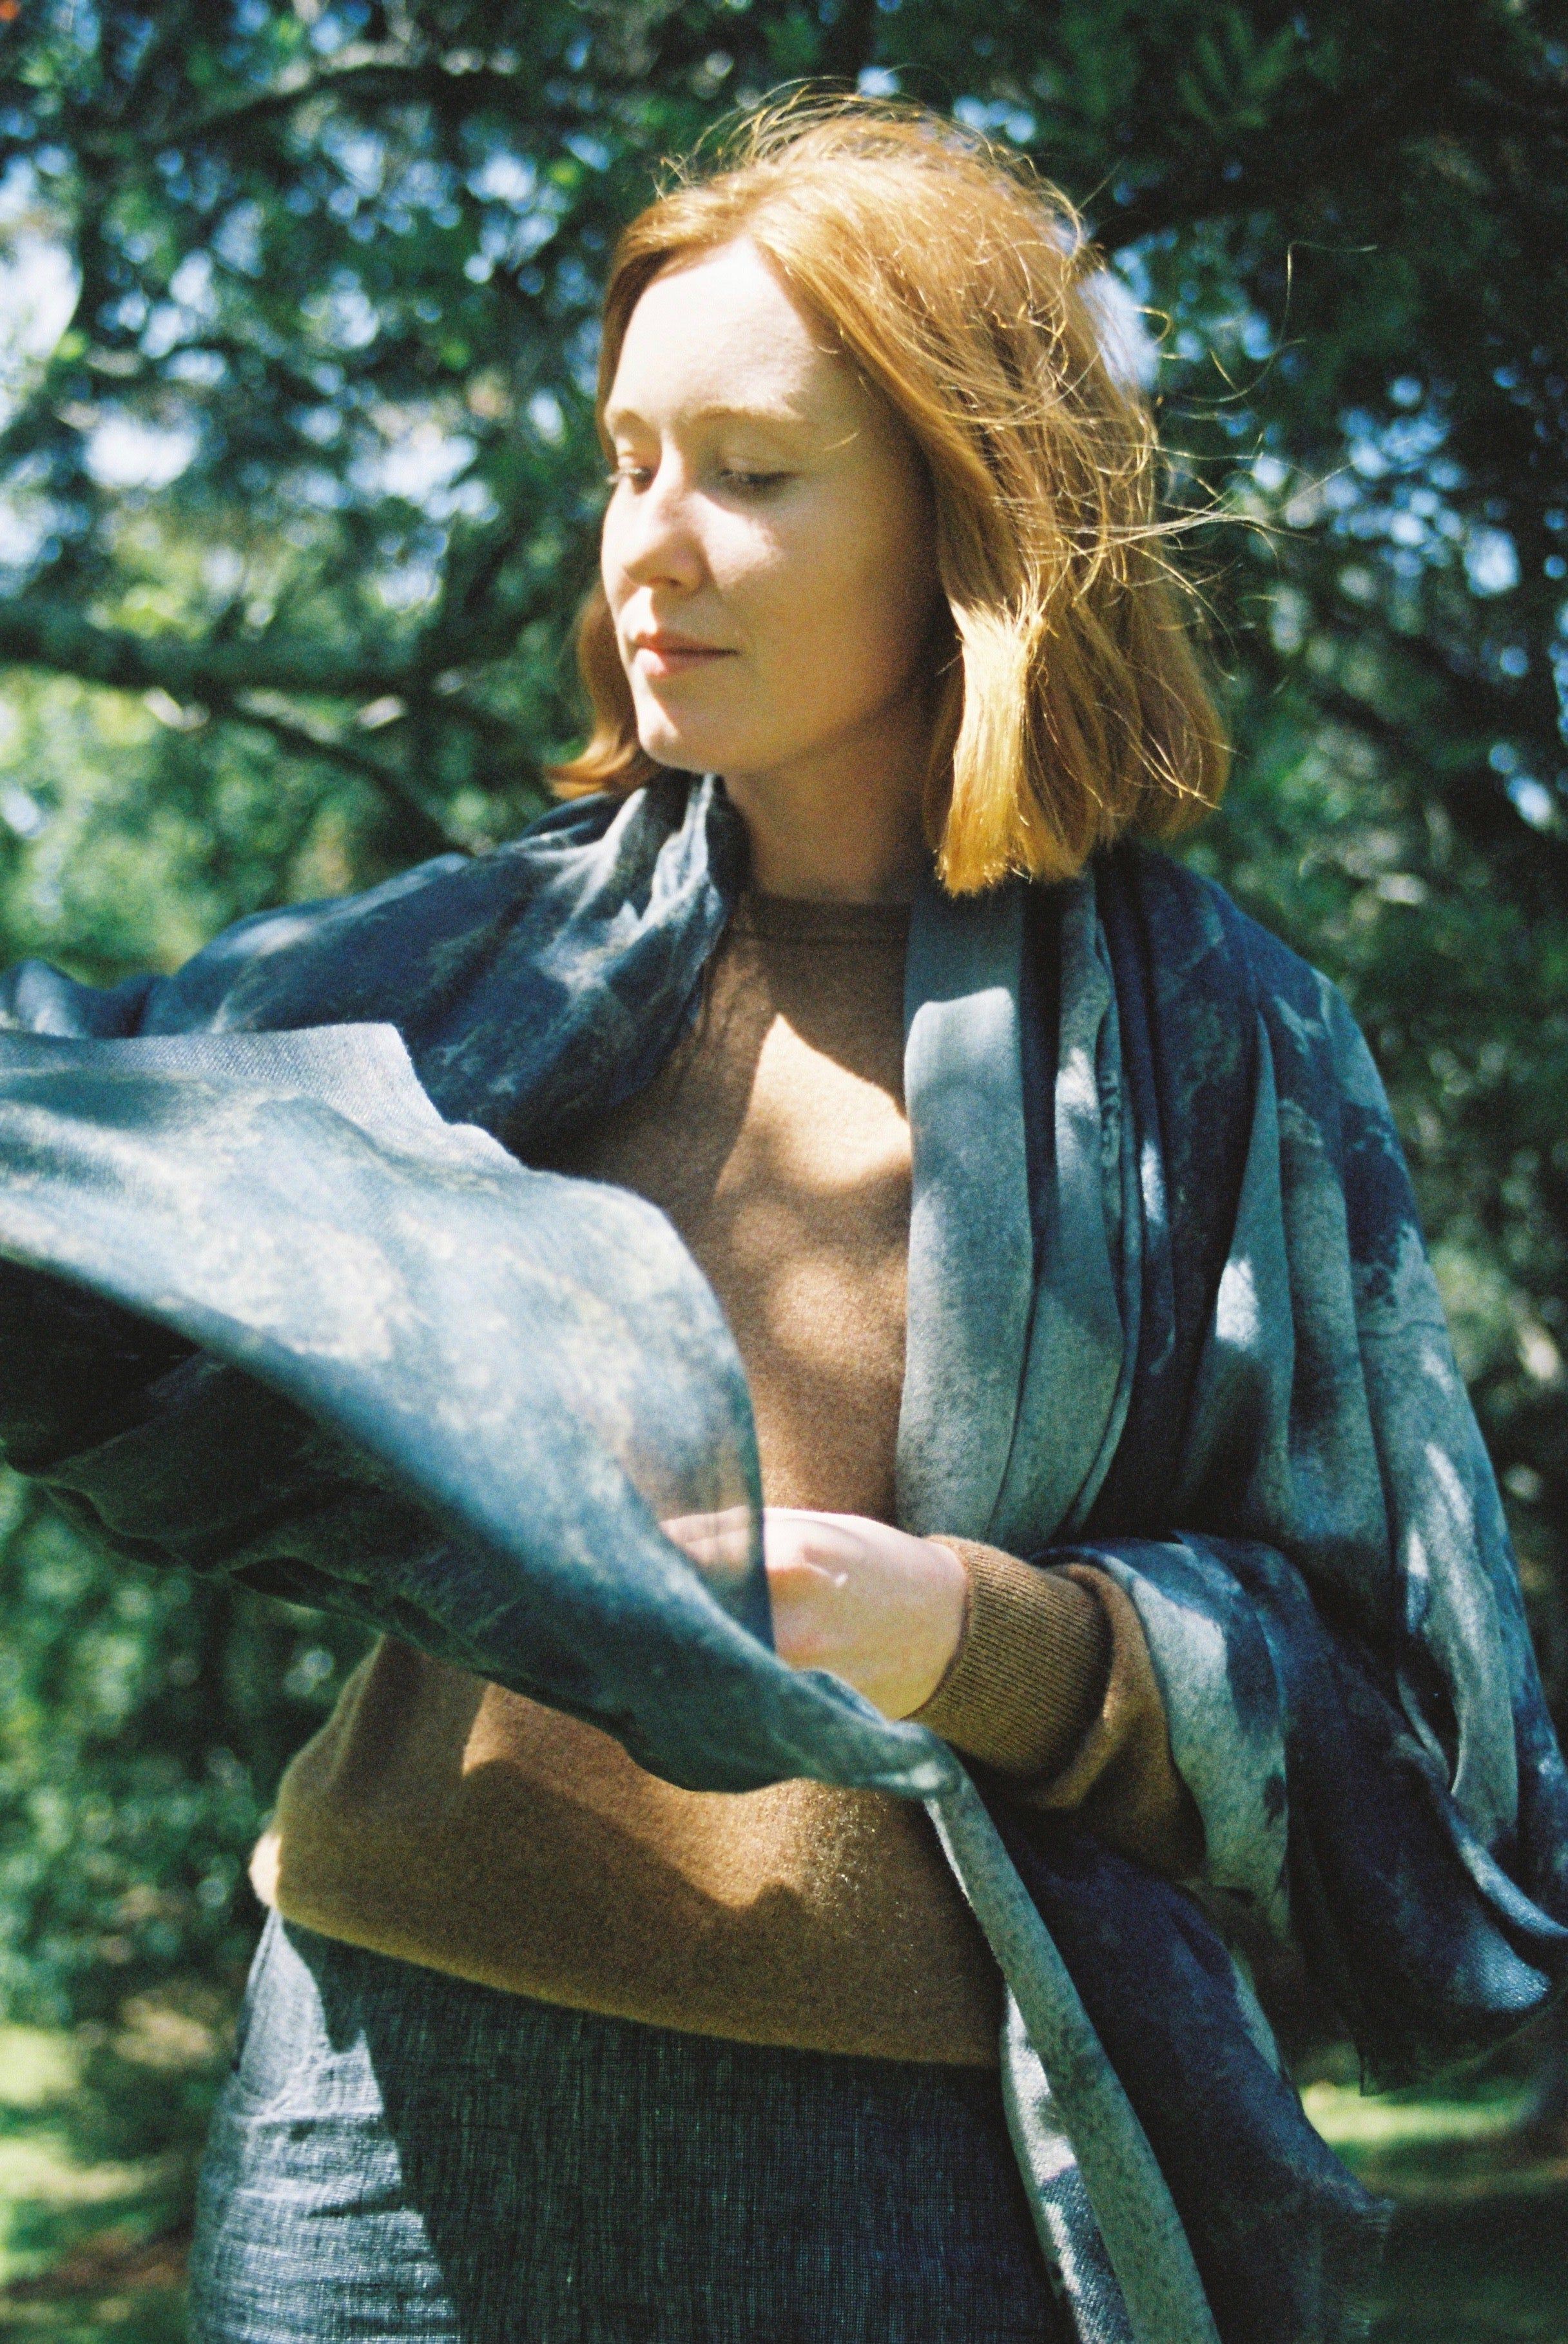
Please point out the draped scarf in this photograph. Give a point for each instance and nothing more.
(281, 1298)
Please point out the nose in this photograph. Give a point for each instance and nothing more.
(649, 533)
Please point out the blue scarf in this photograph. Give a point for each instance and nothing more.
(281, 1299)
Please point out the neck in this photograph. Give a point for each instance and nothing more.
(844, 825)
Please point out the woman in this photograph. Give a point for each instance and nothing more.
(540, 2045)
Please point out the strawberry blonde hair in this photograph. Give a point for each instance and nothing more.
(1067, 701)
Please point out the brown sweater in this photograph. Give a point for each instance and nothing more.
(456, 1826)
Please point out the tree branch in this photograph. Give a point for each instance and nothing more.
(35, 632)
(427, 834)
(1487, 810)
(1299, 151)
(367, 76)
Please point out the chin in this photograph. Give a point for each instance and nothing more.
(667, 749)
(685, 748)
(686, 729)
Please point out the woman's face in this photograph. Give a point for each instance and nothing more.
(768, 549)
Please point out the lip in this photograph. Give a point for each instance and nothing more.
(662, 652)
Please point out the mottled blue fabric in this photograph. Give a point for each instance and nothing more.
(1376, 1771)
(400, 2156)
(530, 1365)
(1168, 1311)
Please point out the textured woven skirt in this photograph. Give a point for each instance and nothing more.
(399, 2154)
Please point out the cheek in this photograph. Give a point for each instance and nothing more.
(611, 569)
(849, 605)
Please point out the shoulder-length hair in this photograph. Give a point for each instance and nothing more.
(1067, 702)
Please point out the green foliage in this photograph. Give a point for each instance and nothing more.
(298, 493)
(143, 1720)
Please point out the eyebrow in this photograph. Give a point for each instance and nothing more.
(782, 418)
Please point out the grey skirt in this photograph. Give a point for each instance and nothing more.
(397, 2154)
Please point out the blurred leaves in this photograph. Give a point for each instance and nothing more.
(143, 1721)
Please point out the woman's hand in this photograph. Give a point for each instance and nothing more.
(880, 1609)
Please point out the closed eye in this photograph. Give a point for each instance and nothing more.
(743, 483)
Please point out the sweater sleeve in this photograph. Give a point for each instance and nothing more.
(1052, 1685)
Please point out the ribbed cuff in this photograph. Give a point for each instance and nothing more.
(1029, 1674)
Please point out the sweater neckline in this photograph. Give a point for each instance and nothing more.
(792, 919)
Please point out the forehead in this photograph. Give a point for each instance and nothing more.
(721, 336)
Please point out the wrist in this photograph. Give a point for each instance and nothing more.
(945, 1616)
(1030, 1672)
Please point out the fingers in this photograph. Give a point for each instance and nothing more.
(795, 1540)
(718, 1542)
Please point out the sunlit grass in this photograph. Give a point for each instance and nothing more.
(90, 2244)
(1479, 2249)
(1351, 2121)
